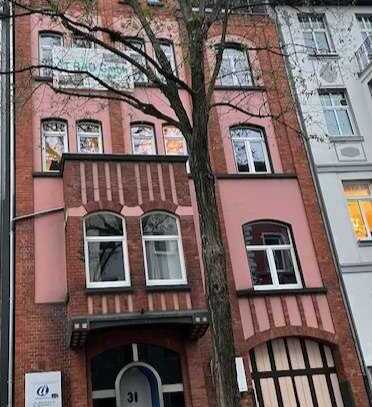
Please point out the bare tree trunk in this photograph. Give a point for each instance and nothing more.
(213, 252)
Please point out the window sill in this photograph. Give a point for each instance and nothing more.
(40, 174)
(109, 290)
(365, 243)
(268, 175)
(330, 55)
(344, 139)
(280, 292)
(176, 287)
(240, 88)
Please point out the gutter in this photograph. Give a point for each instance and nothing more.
(325, 216)
(6, 211)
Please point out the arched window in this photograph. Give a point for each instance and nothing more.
(271, 255)
(54, 143)
(48, 40)
(106, 252)
(163, 255)
(143, 139)
(249, 149)
(235, 70)
(89, 135)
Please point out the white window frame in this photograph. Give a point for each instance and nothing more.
(334, 108)
(79, 134)
(44, 134)
(233, 74)
(176, 137)
(152, 238)
(269, 251)
(247, 139)
(97, 239)
(325, 30)
(44, 71)
(358, 199)
(140, 44)
(153, 137)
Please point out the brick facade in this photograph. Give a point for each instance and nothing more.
(121, 184)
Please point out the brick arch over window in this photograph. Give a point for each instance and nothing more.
(272, 257)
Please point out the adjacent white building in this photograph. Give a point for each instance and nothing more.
(330, 54)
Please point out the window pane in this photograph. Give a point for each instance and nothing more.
(241, 68)
(322, 41)
(367, 210)
(359, 189)
(54, 147)
(284, 266)
(345, 124)
(309, 41)
(47, 42)
(138, 75)
(357, 220)
(89, 145)
(143, 140)
(259, 267)
(168, 51)
(89, 137)
(159, 224)
(104, 224)
(106, 261)
(265, 233)
(225, 75)
(241, 156)
(332, 126)
(163, 260)
(174, 141)
(258, 156)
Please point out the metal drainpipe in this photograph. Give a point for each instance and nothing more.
(324, 214)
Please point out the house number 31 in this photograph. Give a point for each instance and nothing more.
(132, 397)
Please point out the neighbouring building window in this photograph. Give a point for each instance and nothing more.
(365, 25)
(164, 262)
(271, 255)
(337, 113)
(138, 76)
(359, 203)
(315, 32)
(249, 149)
(89, 135)
(46, 43)
(235, 69)
(54, 143)
(106, 253)
(143, 139)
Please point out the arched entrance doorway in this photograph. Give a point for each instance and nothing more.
(295, 372)
(151, 371)
(138, 385)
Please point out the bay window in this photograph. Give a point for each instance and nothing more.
(249, 150)
(359, 204)
(106, 253)
(271, 255)
(163, 255)
(54, 143)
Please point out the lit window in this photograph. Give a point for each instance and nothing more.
(359, 203)
(337, 113)
(143, 140)
(79, 41)
(89, 137)
(316, 36)
(235, 70)
(249, 150)
(138, 76)
(46, 43)
(162, 246)
(106, 253)
(54, 143)
(365, 25)
(271, 256)
(174, 142)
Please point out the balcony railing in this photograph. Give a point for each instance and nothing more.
(239, 6)
(364, 54)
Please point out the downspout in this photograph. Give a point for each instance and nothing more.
(324, 213)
